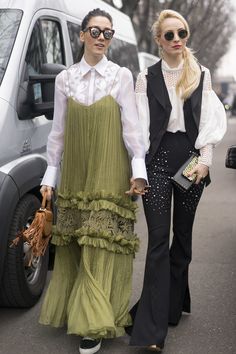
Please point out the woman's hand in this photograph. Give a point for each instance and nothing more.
(201, 172)
(138, 186)
(47, 189)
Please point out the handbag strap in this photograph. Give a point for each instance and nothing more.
(46, 203)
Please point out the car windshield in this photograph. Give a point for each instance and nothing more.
(9, 24)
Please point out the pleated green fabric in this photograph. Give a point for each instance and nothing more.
(91, 283)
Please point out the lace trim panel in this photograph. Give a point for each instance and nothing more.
(101, 228)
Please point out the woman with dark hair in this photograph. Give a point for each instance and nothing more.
(95, 125)
(180, 114)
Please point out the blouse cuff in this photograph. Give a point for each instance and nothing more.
(139, 168)
(206, 153)
(50, 176)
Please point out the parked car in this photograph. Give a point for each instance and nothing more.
(230, 160)
(38, 40)
(147, 59)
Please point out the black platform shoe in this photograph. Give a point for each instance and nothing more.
(89, 345)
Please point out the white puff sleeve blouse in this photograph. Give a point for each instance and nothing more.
(213, 122)
(88, 84)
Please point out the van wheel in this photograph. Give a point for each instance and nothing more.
(22, 285)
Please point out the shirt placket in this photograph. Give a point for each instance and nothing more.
(91, 97)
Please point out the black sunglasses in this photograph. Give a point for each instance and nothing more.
(182, 33)
(96, 31)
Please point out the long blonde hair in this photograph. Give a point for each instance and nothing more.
(190, 77)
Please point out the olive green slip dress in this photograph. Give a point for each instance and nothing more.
(95, 242)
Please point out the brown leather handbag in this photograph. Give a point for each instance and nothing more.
(39, 232)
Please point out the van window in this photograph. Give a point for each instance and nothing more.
(52, 41)
(74, 30)
(124, 54)
(9, 24)
(45, 46)
(35, 56)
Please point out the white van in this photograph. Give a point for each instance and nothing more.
(38, 39)
(146, 60)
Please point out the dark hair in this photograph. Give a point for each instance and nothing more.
(87, 18)
(94, 13)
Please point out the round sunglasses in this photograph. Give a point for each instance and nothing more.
(169, 36)
(96, 31)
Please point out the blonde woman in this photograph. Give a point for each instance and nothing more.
(180, 114)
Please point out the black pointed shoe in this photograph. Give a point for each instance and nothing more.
(156, 348)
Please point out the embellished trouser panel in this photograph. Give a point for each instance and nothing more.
(165, 291)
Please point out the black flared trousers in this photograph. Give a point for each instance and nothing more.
(165, 291)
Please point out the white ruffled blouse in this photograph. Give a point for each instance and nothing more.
(88, 84)
(213, 122)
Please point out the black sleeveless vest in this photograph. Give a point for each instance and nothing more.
(160, 110)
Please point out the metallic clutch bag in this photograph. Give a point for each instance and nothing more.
(181, 178)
